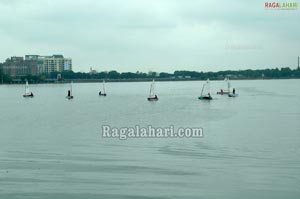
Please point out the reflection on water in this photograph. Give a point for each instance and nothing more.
(52, 147)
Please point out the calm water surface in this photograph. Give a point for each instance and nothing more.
(52, 148)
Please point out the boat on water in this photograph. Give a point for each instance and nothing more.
(208, 97)
(27, 91)
(205, 89)
(223, 91)
(152, 95)
(233, 94)
(103, 92)
(70, 92)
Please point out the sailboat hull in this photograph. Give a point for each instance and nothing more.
(104, 95)
(28, 95)
(205, 98)
(232, 95)
(152, 98)
(223, 93)
(69, 97)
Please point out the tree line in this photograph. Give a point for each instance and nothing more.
(275, 73)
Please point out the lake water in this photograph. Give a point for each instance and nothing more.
(51, 147)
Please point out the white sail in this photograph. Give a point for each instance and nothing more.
(206, 88)
(103, 85)
(228, 85)
(202, 89)
(71, 89)
(151, 94)
(27, 91)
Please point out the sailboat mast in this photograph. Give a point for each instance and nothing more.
(71, 88)
(103, 86)
(202, 89)
(208, 85)
(228, 84)
(26, 87)
(152, 88)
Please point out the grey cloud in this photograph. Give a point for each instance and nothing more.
(166, 35)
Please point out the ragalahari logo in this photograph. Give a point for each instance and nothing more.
(281, 5)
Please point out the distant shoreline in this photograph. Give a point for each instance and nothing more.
(66, 81)
(183, 75)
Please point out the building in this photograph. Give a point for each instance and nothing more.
(39, 60)
(17, 66)
(93, 72)
(35, 65)
(57, 63)
(49, 64)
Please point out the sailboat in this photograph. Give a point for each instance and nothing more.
(206, 87)
(27, 91)
(222, 92)
(152, 95)
(70, 92)
(233, 94)
(104, 92)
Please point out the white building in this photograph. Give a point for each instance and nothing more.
(49, 64)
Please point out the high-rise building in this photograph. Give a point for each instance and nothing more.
(49, 64)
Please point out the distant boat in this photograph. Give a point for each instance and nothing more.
(70, 92)
(152, 95)
(103, 93)
(27, 91)
(222, 92)
(233, 94)
(205, 89)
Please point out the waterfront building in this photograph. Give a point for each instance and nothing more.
(35, 65)
(49, 64)
(17, 66)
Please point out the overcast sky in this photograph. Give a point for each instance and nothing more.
(158, 35)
